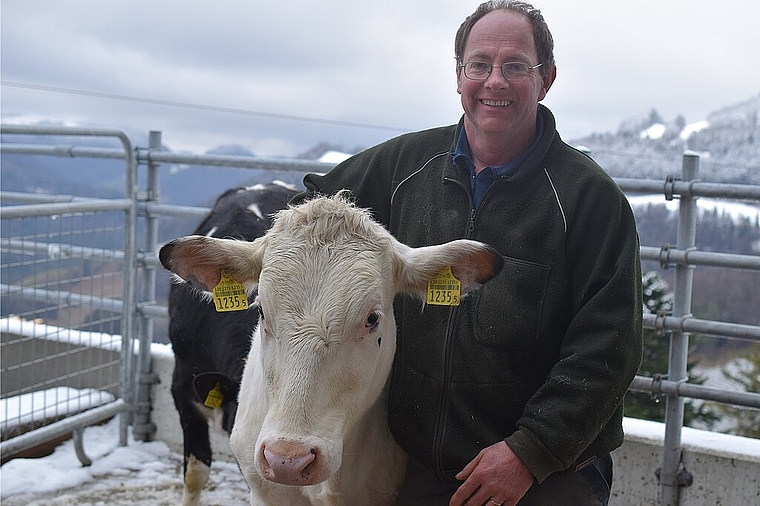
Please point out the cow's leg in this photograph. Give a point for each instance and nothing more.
(196, 476)
(197, 447)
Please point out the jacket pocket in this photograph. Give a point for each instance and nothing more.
(508, 308)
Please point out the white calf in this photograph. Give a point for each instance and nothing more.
(311, 426)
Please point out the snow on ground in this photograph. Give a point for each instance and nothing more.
(46, 404)
(139, 474)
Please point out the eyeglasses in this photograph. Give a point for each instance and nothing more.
(512, 71)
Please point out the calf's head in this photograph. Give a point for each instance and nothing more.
(326, 275)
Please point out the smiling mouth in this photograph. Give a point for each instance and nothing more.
(496, 103)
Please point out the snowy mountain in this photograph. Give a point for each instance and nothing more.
(728, 143)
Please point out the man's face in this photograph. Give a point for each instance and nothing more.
(498, 106)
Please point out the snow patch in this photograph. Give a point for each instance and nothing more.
(736, 210)
(39, 330)
(714, 443)
(47, 404)
(655, 132)
(139, 474)
(333, 157)
(693, 128)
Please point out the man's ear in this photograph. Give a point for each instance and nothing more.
(546, 82)
(459, 78)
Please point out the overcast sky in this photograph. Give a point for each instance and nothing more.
(277, 77)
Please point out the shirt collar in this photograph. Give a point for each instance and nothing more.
(463, 157)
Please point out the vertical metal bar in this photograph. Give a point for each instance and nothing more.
(143, 428)
(126, 376)
(679, 341)
(77, 435)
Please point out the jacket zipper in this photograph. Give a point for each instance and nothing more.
(471, 222)
(448, 358)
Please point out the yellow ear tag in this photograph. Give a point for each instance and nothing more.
(229, 295)
(215, 397)
(444, 289)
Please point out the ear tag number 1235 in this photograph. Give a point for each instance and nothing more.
(215, 397)
(444, 289)
(229, 295)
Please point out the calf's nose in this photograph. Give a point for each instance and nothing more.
(289, 463)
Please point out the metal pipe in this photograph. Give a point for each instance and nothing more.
(62, 427)
(705, 327)
(659, 387)
(60, 297)
(153, 311)
(679, 340)
(35, 210)
(126, 372)
(58, 251)
(668, 256)
(39, 198)
(673, 187)
(63, 151)
(240, 162)
(175, 211)
(143, 428)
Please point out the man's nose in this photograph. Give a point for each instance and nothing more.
(496, 80)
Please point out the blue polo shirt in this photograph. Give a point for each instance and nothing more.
(479, 183)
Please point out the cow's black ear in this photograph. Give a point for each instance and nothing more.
(215, 389)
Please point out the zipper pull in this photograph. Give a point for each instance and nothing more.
(471, 226)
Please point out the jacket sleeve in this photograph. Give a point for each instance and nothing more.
(580, 402)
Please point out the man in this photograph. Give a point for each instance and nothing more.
(516, 393)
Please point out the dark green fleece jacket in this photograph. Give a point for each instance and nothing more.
(542, 355)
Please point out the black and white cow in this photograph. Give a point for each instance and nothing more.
(210, 346)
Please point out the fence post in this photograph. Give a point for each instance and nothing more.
(144, 428)
(126, 372)
(672, 473)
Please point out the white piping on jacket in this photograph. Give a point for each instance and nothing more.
(393, 195)
(556, 196)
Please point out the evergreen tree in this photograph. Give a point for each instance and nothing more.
(659, 299)
(746, 421)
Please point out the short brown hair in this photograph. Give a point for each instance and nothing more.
(542, 37)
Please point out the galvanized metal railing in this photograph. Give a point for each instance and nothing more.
(143, 308)
(73, 423)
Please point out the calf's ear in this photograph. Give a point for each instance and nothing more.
(224, 388)
(472, 263)
(200, 260)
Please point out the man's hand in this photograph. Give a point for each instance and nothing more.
(497, 475)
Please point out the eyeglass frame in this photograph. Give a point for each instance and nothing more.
(490, 70)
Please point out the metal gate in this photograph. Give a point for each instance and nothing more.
(65, 272)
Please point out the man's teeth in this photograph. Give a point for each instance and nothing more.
(497, 103)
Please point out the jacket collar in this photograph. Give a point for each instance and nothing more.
(452, 172)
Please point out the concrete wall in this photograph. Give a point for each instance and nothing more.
(56, 363)
(726, 468)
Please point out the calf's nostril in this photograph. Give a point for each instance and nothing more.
(288, 463)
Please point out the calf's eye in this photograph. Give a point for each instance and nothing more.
(372, 320)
